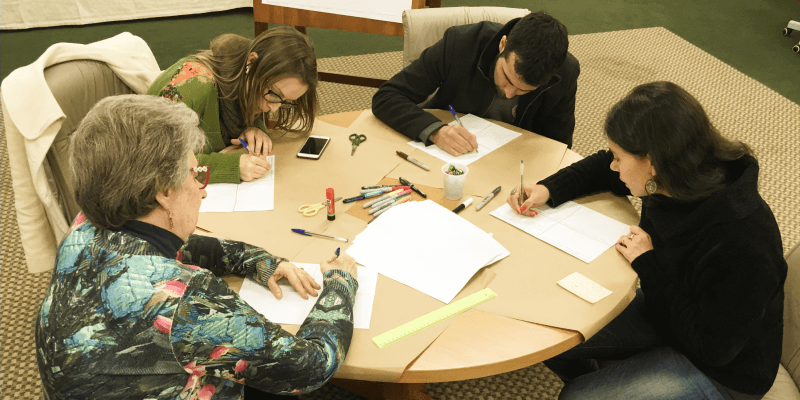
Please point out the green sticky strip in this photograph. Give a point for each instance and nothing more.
(434, 317)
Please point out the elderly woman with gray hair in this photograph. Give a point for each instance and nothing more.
(134, 309)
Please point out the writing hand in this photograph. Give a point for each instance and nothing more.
(252, 167)
(455, 139)
(536, 196)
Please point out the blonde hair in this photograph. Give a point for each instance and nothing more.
(127, 149)
(283, 52)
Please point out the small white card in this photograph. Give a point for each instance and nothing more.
(584, 287)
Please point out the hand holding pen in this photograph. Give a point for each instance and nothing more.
(455, 139)
(342, 262)
(536, 196)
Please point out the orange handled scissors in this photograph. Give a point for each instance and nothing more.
(310, 210)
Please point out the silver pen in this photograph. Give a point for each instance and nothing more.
(488, 198)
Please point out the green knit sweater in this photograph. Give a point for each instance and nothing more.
(192, 83)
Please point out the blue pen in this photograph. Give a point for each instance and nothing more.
(337, 251)
(458, 120)
(244, 144)
(455, 115)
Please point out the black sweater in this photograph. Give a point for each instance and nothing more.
(461, 66)
(713, 282)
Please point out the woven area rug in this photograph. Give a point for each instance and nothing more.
(612, 63)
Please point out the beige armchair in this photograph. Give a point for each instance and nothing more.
(423, 27)
(788, 380)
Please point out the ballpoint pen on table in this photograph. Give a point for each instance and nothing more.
(463, 205)
(458, 120)
(414, 188)
(306, 233)
(412, 160)
(488, 198)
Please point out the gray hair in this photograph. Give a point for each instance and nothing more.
(127, 149)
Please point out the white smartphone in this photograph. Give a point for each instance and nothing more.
(313, 147)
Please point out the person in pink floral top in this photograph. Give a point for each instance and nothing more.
(239, 84)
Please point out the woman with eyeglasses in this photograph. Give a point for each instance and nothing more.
(135, 310)
(239, 84)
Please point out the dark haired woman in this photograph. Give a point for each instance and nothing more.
(236, 86)
(708, 320)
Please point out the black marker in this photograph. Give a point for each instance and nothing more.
(414, 188)
(463, 205)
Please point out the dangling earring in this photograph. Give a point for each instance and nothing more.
(169, 214)
(651, 186)
(247, 69)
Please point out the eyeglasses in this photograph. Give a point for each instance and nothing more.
(272, 97)
(202, 172)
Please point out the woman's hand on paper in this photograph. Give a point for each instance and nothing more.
(634, 244)
(343, 262)
(297, 277)
(455, 139)
(252, 167)
(535, 196)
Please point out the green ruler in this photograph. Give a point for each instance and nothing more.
(434, 317)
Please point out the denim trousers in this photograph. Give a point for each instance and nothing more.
(648, 369)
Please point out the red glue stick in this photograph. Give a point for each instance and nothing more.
(331, 206)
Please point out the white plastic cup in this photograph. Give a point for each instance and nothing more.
(454, 184)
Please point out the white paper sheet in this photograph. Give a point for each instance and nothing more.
(427, 247)
(489, 135)
(571, 227)
(383, 10)
(584, 287)
(256, 195)
(293, 309)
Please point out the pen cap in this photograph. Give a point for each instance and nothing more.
(331, 204)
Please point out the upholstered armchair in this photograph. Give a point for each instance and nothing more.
(423, 27)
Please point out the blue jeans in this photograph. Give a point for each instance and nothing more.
(648, 369)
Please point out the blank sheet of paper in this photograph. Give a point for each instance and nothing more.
(489, 135)
(427, 247)
(584, 287)
(256, 195)
(293, 309)
(571, 227)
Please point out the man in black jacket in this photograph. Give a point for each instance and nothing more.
(520, 73)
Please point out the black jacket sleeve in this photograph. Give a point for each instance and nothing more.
(590, 175)
(396, 101)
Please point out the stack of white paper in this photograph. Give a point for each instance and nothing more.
(427, 247)
(571, 227)
(256, 195)
(293, 309)
(489, 135)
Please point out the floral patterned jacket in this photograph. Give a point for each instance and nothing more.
(121, 321)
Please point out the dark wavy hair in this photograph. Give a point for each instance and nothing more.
(283, 52)
(540, 43)
(662, 121)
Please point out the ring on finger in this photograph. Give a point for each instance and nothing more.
(631, 236)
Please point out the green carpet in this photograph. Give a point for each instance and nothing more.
(744, 34)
